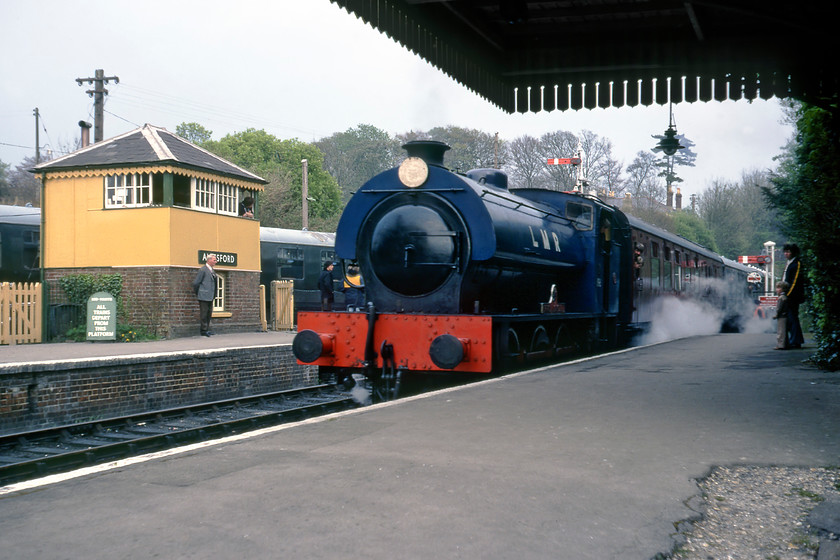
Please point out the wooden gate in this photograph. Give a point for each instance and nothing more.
(282, 305)
(20, 313)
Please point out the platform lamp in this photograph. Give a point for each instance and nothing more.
(770, 273)
(669, 144)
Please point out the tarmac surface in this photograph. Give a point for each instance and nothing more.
(594, 459)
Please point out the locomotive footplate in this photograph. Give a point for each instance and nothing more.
(419, 342)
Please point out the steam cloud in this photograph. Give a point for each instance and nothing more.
(702, 314)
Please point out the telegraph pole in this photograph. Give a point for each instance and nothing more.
(305, 193)
(37, 141)
(98, 93)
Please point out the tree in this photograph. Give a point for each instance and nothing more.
(724, 217)
(596, 152)
(609, 172)
(280, 161)
(4, 179)
(526, 165)
(804, 190)
(762, 220)
(22, 186)
(646, 189)
(357, 154)
(470, 148)
(689, 225)
(738, 215)
(193, 132)
(559, 144)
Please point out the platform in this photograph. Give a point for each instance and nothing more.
(595, 459)
(79, 350)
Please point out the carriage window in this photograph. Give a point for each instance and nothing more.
(327, 256)
(290, 262)
(677, 271)
(654, 266)
(579, 214)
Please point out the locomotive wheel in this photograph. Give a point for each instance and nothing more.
(565, 342)
(539, 340)
(507, 346)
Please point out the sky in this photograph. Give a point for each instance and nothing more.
(299, 69)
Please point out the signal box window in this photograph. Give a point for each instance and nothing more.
(204, 194)
(228, 202)
(213, 196)
(128, 190)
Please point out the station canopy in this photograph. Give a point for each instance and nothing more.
(530, 56)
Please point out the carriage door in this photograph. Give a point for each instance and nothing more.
(611, 259)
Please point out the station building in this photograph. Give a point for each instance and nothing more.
(150, 206)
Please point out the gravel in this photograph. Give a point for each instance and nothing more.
(760, 513)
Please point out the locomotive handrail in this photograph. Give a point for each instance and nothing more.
(401, 191)
(519, 204)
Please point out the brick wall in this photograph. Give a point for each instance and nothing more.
(39, 395)
(161, 298)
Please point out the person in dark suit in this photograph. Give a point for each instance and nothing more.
(325, 286)
(794, 276)
(204, 286)
(246, 207)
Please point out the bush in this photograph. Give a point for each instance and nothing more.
(80, 287)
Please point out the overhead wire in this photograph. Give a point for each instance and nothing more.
(128, 95)
(145, 98)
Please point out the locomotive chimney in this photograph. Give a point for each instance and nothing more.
(430, 151)
(85, 126)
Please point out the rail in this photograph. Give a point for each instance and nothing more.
(37, 453)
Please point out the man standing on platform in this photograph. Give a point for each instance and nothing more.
(325, 286)
(794, 275)
(204, 287)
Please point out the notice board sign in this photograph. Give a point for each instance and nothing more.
(768, 301)
(222, 258)
(101, 317)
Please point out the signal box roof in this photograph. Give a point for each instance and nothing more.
(148, 145)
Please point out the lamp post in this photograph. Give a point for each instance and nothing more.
(770, 273)
(669, 144)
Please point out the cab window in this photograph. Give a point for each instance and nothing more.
(579, 214)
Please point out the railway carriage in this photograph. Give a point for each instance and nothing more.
(298, 256)
(20, 228)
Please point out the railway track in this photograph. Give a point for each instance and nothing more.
(32, 454)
